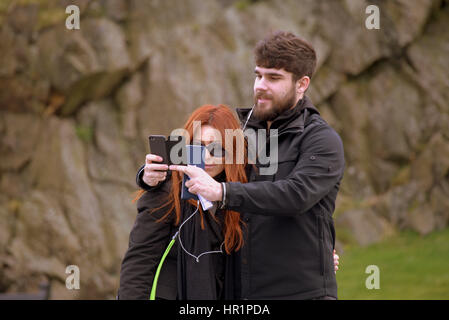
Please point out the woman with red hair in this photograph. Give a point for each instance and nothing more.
(201, 264)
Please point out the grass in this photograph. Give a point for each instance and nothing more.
(410, 267)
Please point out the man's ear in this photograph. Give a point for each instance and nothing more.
(302, 85)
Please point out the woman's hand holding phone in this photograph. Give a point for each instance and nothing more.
(153, 172)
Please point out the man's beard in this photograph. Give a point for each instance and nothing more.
(277, 106)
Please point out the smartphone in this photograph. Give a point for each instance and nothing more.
(195, 157)
(161, 146)
(158, 147)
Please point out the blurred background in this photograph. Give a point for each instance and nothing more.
(77, 106)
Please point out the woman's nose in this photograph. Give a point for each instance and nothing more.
(207, 157)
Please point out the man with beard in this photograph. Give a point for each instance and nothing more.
(289, 230)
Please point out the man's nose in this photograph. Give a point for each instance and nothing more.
(260, 85)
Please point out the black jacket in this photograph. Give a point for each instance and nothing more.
(147, 242)
(290, 232)
(181, 277)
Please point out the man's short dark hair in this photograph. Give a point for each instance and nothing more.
(284, 50)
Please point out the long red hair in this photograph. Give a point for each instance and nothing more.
(220, 118)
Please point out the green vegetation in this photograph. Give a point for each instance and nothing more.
(244, 4)
(84, 133)
(49, 12)
(411, 267)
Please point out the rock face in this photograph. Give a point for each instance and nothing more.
(77, 107)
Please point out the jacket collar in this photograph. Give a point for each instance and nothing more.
(289, 120)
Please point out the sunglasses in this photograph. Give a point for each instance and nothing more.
(215, 149)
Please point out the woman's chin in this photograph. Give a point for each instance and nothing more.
(213, 171)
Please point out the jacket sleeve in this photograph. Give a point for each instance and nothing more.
(319, 168)
(147, 242)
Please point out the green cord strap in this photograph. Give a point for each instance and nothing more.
(156, 277)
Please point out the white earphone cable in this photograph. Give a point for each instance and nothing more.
(197, 258)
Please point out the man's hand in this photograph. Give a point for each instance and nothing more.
(201, 182)
(154, 173)
(336, 261)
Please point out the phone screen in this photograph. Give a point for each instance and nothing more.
(195, 157)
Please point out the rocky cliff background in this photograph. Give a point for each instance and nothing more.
(77, 106)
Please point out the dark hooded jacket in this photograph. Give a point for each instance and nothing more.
(290, 235)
